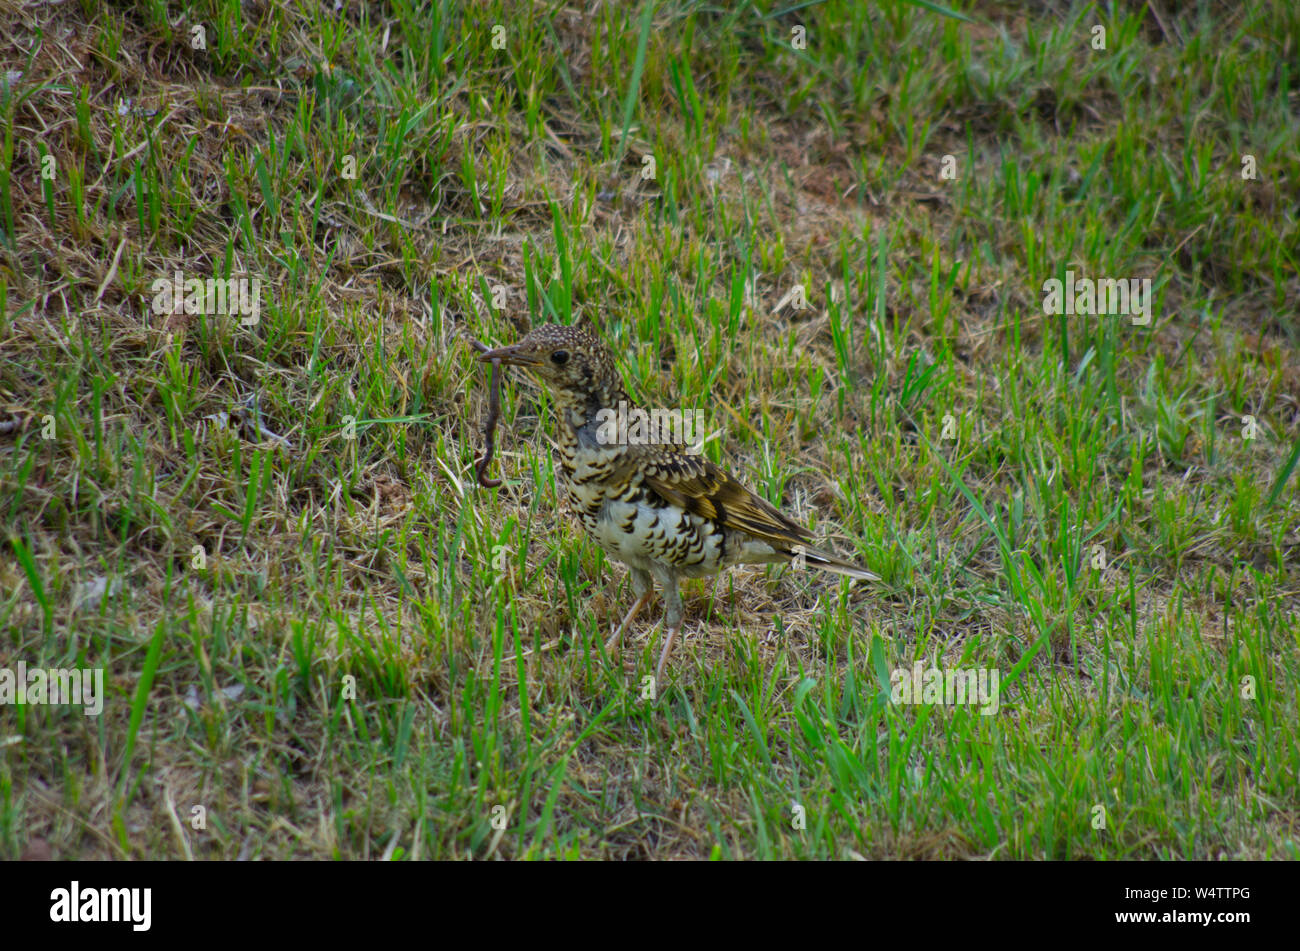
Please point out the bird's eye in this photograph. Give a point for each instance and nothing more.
(560, 357)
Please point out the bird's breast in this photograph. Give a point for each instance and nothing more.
(629, 521)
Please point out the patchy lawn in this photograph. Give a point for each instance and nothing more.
(833, 228)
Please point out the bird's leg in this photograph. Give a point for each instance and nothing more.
(642, 587)
(672, 621)
(663, 657)
(616, 639)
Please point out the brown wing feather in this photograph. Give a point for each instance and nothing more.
(703, 488)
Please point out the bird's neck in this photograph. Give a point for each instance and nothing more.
(580, 417)
(579, 408)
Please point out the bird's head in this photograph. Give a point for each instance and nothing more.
(571, 359)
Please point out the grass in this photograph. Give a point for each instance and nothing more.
(336, 645)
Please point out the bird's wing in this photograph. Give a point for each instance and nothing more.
(703, 488)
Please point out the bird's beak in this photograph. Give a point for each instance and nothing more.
(515, 356)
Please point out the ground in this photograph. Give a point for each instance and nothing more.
(832, 227)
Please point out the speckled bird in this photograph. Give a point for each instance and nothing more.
(663, 512)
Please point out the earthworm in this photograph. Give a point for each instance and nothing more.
(490, 425)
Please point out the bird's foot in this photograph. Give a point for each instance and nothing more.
(615, 640)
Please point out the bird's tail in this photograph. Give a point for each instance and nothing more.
(828, 562)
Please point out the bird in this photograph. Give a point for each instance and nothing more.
(664, 511)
